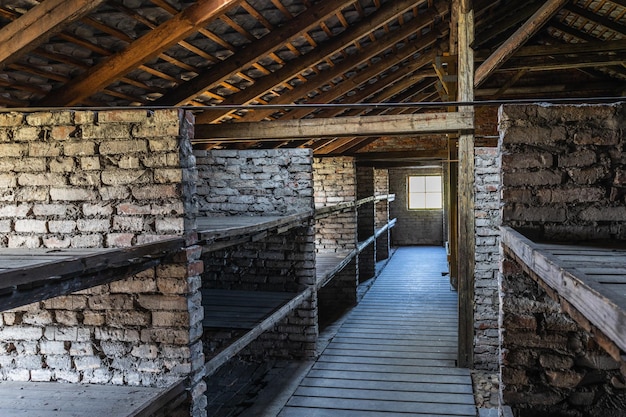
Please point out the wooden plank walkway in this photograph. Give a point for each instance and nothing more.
(395, 353)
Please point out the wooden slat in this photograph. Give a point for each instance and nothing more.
(68, 271)
(49, 399)
(240, 309)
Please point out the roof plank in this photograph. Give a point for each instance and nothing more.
(247, 56)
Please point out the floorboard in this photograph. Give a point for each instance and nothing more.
(395, 354)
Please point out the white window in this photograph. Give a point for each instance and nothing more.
(424, 192)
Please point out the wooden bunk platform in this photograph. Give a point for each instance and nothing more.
(51, 399)
(220, 232)
(30, 275)
(589, 278)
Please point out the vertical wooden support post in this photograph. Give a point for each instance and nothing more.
(453, 211)
(466, 188)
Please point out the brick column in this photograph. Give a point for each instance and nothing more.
(115, 178)
(381, 187)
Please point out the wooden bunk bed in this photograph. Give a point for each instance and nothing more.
(588, 279)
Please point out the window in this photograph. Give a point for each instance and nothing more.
(424, 192)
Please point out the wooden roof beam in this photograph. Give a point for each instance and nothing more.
(385, 42)
(386, 13)
(143, 49)
(366, 75)
(38, 24)
(517, 40)
(336, 127)
(252, 53)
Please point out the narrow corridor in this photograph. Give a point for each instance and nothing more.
(395, 352)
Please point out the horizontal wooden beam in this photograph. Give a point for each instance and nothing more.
(336, 127)
(38, 24)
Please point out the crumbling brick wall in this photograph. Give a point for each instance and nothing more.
(487, 212)
(94, 179)
(562, 179)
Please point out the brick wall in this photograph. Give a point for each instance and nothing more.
(103, 179)
(253, 182)
(414, 227)
(366, 222)
(335, 182)
(487, 212)
(381, 186)
(562, 170)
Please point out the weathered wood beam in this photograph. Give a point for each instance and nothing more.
(325, 77)
(385, 14)
(336, 127)
(366, 75)
(560, 90)
(398, 155)
(143, 49)
(466, 237)
(525, 32)
(503, 25)
(38, 24)
(564, 62)
(252, 53)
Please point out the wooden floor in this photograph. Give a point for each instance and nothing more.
(395, 353)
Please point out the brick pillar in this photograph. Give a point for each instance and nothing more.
(366, 222)
(114, 178)
(381, 186)
(339, 294)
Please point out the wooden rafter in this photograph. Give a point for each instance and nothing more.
(38, 24)
(141, 50)
(388, 12)
(252, 53)
(517, 40)
(385, 42)
(366, 75)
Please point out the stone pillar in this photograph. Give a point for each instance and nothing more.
(381, 186)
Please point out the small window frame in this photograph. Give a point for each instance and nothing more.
(425, 191)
